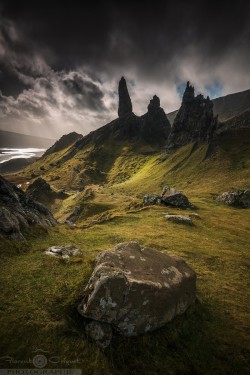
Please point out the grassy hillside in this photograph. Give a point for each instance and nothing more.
(39, 294)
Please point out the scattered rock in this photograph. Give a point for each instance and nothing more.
(238, 198)
(125, 105)
(180, 219)
(137, 289)
(63, 251)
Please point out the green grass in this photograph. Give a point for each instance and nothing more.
(39, 294)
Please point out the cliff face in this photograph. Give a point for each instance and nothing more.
(194, 122)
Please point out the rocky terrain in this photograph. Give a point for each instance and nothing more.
(18, 212)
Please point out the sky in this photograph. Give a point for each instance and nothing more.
(60, 64)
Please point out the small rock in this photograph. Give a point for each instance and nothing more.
(180, 219)
(63, 251)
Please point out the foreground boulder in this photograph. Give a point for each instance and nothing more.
(18, 211)
(136, 289)
(238, 198)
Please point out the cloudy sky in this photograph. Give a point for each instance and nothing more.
(60, 64)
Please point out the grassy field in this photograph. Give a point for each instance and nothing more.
(39, 294)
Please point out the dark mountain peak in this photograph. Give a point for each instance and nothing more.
(194, 121)
(154, 104)
(65, 141)
(125, 105)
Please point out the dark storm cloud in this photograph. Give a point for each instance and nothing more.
(62, 63)
(107, 32)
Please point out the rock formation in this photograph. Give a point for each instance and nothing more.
(125, 105)
(18, 211)
(194, 121)
(41, 191)
(155, 127)
(137, 289)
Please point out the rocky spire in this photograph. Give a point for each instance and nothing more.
(188, 93)
(155, 127)
(125, 105)
(154, 104)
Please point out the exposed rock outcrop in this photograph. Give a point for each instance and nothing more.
(238, 198)
(41, 191)
(194, 121)
(137, 290)
(18, 211)
(125, 105)
(155, 127)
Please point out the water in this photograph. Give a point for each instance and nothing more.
(16, 153)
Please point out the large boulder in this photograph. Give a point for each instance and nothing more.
(238, 198)
(137, 289)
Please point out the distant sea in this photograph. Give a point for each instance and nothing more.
(16, 153)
